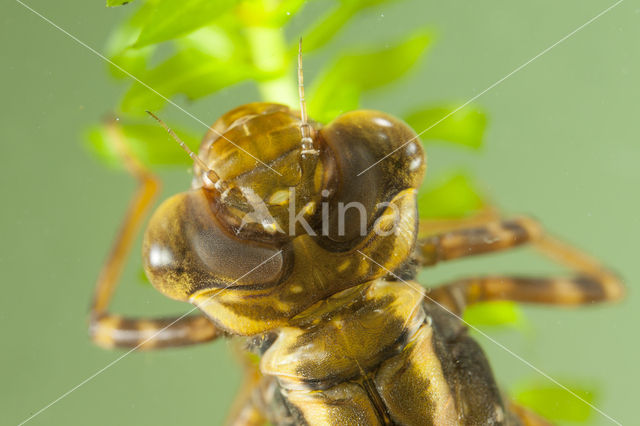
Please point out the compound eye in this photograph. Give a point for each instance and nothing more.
(187, 249)
(371, 150)
(239, 263)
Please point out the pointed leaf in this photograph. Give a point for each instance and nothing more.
(189, 72)
(356, 73)
(132, 60)
(465, 127)
(554, 403)
(326, 28)
(175, 18)
(455, 197)
(329, 25)
(148, 142)
(222, 41)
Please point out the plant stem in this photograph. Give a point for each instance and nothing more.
(269, 54)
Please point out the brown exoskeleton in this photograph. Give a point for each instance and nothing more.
(324, 294)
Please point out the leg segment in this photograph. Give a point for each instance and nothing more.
(489, 237)
(429, 227)
(114, 331)
(578, 290)
(591, 283)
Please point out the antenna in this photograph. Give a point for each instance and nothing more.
(305, 127)
(210, 174)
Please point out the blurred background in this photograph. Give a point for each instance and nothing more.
(561, 144)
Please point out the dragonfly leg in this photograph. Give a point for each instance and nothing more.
(115, 331)
(110, 330)
(590, 283)
(428, 227)
(577, 290)
(490, 236)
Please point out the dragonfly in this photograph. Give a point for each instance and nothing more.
(292, 245)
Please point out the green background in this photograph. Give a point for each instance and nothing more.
(562, 145)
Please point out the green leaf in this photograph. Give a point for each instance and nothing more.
(328, 26)
(555, 403)
(111, 3)
(132, 61)
(261, 13)
(347, 98)
(220, 41)
(343, 82)
(149, 142)
(465, 127)
(454, 198)
(118, 45)
(175, 18)
(492, 314)
(208, 59)
(189, 72)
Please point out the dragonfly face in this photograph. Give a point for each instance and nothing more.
(199, 245)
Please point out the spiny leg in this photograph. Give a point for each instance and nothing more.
(110, 330)
(591, 283)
